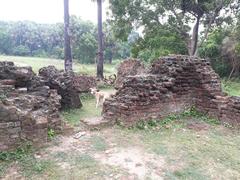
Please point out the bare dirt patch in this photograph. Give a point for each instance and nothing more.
(135, 161)
(197, 125)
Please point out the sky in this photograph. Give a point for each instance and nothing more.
(48, 11)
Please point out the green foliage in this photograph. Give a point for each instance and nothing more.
(231, 87)
(2, 96)
(165, 122)
(212, 49)
(88, 110)
(51, 133)
(158, 42)
(21, 50)
(167, 24)
(25, 38)
(30, 166)
(192, 172)
(5, 41)
(21, 152)
(24, 155)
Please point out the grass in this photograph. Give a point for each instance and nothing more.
(98, 143)
(37, 63)
(73, 116)
(24, 158)
(189, 154)
(88, 110)
(209, 153)
(232, 87)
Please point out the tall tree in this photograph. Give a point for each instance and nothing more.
(67, 43)
(178, 15)
(100, 58)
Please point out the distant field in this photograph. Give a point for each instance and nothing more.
(37, 63)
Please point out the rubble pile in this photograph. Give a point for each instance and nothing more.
(30, 104)
(63, 83)
(171, 85)
(26, 111)
(83, 83)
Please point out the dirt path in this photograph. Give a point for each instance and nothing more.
(186, 149)
(130, 162)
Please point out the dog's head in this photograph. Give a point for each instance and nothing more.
(94, 90)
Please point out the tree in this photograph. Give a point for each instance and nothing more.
(100, 59)
(183, 16)
(67, 45)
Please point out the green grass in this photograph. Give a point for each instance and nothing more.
(77, 166)
(232, 87)
(212, 153)
(28, 164)
(37, 63)
(88, 110)
(98, 143)
(189, 154)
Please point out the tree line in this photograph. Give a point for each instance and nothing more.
(25, 38)
(206, 28)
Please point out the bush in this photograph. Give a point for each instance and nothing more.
(21, 51)
(40, 53)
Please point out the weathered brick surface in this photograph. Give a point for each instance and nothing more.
(30, 104)
(171, 85)
(64, 84)
(27, 109)
(128, 67)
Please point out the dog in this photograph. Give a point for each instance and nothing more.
(100, 96)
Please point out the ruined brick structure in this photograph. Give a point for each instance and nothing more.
(30, 104)
(63, 83)
(128, 67)
(171, 85)
(27, 109)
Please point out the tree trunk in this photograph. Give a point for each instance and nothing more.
(194, 40)
(67, 46)
(111, 56)
(100, 42)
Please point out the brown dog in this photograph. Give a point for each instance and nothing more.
(100, 96)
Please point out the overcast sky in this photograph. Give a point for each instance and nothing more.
(47, 11)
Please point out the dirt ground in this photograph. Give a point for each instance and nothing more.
(211, 152)
(188, 148)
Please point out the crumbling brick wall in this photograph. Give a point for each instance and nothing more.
(64, 84)
(171, 85)
(30, 104)
(28, 108)
(128, 67)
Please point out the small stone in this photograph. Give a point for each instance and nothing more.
(80, 134)
(138, 165)
(37, 156)
(108, 151)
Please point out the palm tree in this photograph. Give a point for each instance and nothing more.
(100, 41)
(67, 45)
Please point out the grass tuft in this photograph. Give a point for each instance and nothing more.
(175, 120)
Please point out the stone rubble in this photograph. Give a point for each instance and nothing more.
(63, 83)
(26, 112)
(30, 104)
